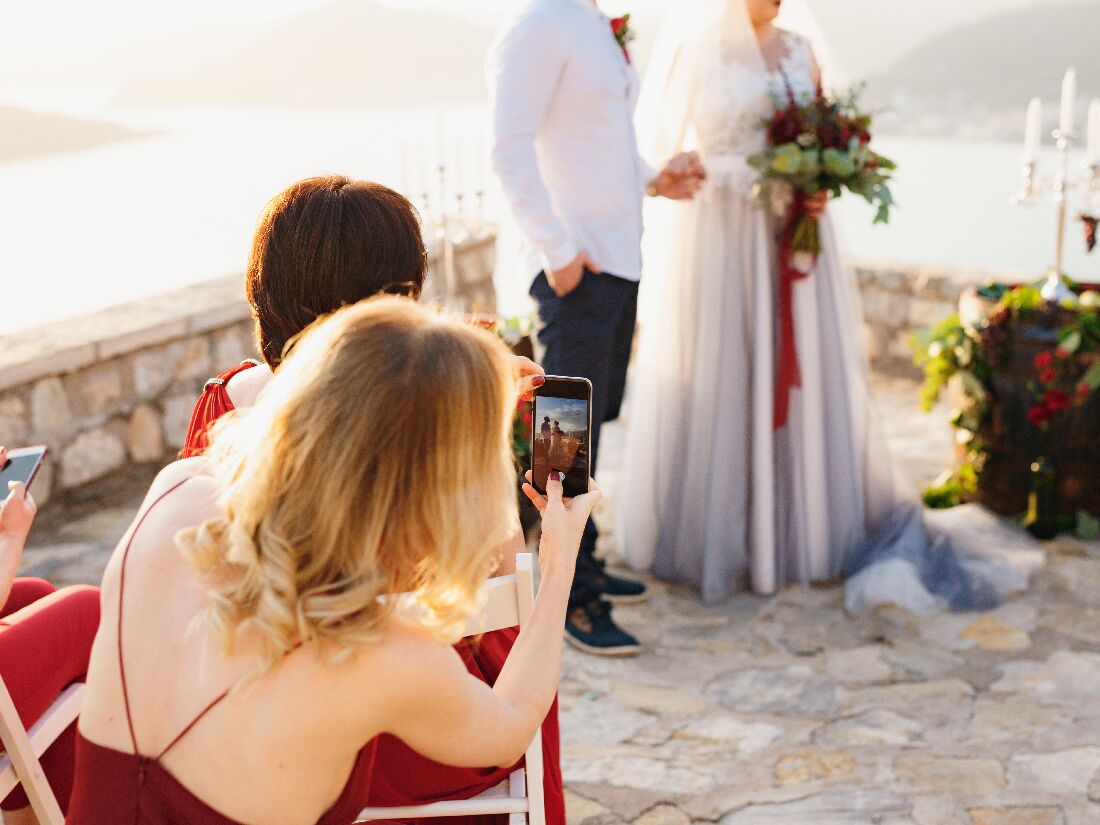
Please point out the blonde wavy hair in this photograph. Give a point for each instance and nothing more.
(376, 462)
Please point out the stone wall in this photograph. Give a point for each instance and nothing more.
(898, 300)
(113, 391)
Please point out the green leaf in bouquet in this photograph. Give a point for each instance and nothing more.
(786, 159)
(811, 163)
(864, 188)
(882, 214)
(760, 161)
(838, 163)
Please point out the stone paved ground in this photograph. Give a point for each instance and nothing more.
(785, 710)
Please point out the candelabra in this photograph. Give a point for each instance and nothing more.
(453, 217)
(1063, 183)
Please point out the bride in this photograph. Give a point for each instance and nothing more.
(716, 495)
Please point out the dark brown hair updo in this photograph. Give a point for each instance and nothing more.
(326, 242)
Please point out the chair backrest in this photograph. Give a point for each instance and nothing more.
(508, 602)
(20, 765)
(508, 599)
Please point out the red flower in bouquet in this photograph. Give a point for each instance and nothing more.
(620, 27)
(1044, 360)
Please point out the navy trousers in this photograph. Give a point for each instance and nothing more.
(588, 334)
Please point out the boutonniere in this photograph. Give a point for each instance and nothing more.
(620, 26)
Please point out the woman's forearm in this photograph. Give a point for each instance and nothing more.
(529, 678)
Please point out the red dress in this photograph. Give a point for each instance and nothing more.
(113, 787)
(401, 775)
(45, 640)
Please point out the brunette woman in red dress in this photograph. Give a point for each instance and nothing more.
(45, 639)
(320, 244)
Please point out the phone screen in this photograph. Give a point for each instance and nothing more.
(22, 464)
(562, 433)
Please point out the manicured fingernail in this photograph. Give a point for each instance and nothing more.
(538, 381)
(555, 475)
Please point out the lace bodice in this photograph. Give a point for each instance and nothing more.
(734, 100)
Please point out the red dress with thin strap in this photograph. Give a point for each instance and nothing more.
(113, 787)
(401, 775)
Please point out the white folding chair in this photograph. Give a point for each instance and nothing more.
(19, 765)
(509, 603)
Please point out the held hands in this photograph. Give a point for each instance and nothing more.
(16, 511)
(562, 521)
(565, 280)
(681, 178)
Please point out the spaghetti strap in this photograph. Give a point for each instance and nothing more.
(121, 597)
(192, 724)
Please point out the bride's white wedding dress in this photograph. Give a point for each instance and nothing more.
(711, 495)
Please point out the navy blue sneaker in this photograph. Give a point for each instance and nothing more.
(590, 628)
(618, 590)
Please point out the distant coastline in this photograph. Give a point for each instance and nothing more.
(28, 133)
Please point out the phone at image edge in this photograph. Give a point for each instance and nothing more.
(561, 434)
(22, 465)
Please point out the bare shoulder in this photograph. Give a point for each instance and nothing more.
(245, 387)
(385, 681)
(182, 495)
(414, 658)
(185, 485)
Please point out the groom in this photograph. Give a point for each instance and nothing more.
(563, 90)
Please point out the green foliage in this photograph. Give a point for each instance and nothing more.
(943, 352)
(961, 361)
(1022, 300)
(957, 488)
(1088, 526)
(787, 160)
(838, 163)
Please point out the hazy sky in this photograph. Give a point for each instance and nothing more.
(28, 24)
(32, 23)
(866, 35)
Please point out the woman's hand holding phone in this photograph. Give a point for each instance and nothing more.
(17, 510)
(16, 514)
(529, 376)
(563, 522)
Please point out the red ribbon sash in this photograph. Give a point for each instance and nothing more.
(788, 375)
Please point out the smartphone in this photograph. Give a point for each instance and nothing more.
(22, 465)
(561, 438)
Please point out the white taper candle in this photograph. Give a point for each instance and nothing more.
(1033, 130)
(1069, 96)
(1094, 133)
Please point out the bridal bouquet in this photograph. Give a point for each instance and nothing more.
(815, 145)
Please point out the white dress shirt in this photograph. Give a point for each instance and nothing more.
(563, 143)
